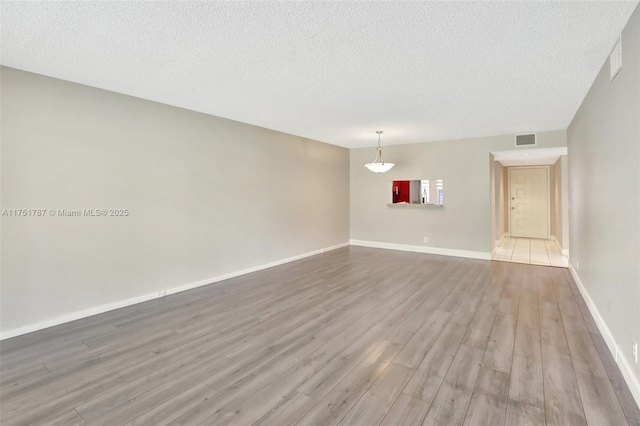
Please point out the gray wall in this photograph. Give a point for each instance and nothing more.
(604, 164)
(553, 203)
(207, 197)
(500, 200)
(556, 196)
(504, 204)
(493, 196)
(564, 170)
(464, 223)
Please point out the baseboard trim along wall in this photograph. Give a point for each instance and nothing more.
(128, 302)
(621, 359)
(564, 252)
(420, 249)
(497, 243)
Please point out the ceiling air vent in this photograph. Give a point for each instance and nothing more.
(526, 140)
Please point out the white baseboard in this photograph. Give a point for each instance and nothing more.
(564, 252)
(421, 249)
(161, 293)
(75, 316)
(250, 270)
(623, 363)
(498, 242)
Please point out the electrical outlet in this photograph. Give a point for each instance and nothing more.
(426, 239)
(161, 293)
(634, 351)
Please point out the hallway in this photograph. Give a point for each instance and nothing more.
(531, 251)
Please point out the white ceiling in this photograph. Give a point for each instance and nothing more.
(331, 71)
(529, 157)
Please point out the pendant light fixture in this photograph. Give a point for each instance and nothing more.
(379, 166)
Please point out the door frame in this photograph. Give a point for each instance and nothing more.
(548, 195)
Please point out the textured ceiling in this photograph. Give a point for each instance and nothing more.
(331, 71)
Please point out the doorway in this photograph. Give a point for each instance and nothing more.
(529, 202)
(529, 206)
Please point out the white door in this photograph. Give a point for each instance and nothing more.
(529, 203)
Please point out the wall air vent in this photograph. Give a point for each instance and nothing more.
(526, 140)
(615, 60)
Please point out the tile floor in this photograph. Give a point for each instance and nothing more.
(530, 250)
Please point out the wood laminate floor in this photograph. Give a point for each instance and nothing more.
(356, 336)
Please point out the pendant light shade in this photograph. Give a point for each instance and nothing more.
(378, 165)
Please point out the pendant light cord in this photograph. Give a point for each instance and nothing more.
(378, 165)
(379, 148)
